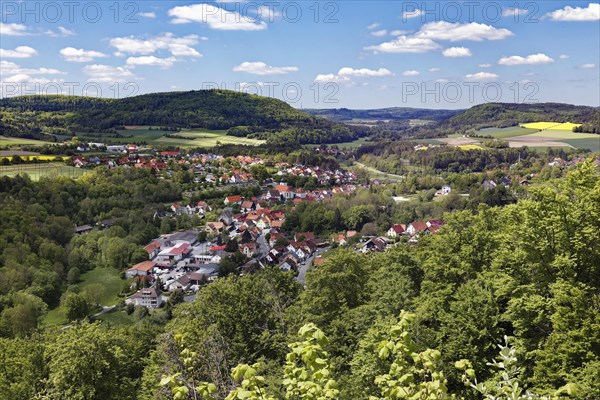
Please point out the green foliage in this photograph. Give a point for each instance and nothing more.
(307, 372)
(243, 114)
(74, 306)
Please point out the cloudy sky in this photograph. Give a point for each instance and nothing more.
(354, 54)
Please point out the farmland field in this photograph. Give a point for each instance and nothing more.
(37, 171)
(554, 126)
(197, 137)
(16, 141)
(470, 147)
(559, 134)
(501, 133)
(592, 142)
(205, 138)
(39, 157)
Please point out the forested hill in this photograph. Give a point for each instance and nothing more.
(262, 117)
(391, 114)
(510, 114)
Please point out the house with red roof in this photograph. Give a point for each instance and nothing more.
(396, 230)
(141, 269)
(233, 200)
(152, 249)
(175, 253)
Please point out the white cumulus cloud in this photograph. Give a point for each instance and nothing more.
(80, 55)
(481, 76)
(152, 61)
(215, 18)
(177, 46)
(442, 30)
(514, 12)
(405, 44)
(411, 72)
(457, 52)
(18, 52)
(532, 59)
(589, 13)
(346, 74)
(379, 33)
(588, 66)
(10, 68)
(563, 57)
(261, 68)
(13, 29)
(147, 14)
(107, 73)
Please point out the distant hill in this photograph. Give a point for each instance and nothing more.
(391, 114)
(510, 114)
(240, 113)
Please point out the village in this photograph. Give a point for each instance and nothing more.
(187, 260)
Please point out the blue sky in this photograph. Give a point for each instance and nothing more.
(354, 54)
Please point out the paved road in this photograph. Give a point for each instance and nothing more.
(262, 246)
(304, 266)
(378, 171)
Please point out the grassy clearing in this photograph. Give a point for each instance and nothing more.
(55, 317)
(501, 133)
(110, 280)
(117, 318)
(38, 171)
(112, 285)
(16, 141)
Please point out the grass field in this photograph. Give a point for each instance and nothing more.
(109, 279)
(117, 318)
(428, 141)
(197, 137)
(15, 141)
(592, 142)
(205, 138)
(37, 171)
(558, 134)
(112, 285)
(501, 133)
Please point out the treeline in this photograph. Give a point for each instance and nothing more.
(39, 253)
(210, 109)
(393, 156)
(510, 114)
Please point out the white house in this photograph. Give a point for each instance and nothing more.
(395, 231)
(150, 298)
